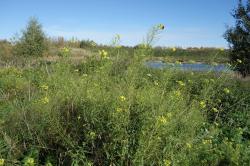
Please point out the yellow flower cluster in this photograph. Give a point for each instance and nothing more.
(103, 54)
(181, 83)
(45, 100)
(92, 135)
(207, 141)
(1, 162)
(44, 87)
(65, 50)
(203, 104)
(174, 49)
(30, 161)
(118, 110)
(177, 93)
(167, 162)
(178, 62)
(189, 146)
(162, 119)
(215, 110)
(122, 98)
(226, 90)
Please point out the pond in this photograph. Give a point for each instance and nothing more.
(189, 66)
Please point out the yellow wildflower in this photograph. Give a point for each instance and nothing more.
(189, 146)
(215, 110)
(1, 162)
(222, 49)
(149, 75)
(178, 62)
(92, 135)
(174, 49)
(45, 100)
(103, 53)
(202, 104)
(118, 110)
(76, 70)
(207, 141)
(45, 87)
(122, 98)
(30, 161)
(167, 162)
(162, 119)
(226, 90)
(65, 49)
(177, 93)
(181, 83)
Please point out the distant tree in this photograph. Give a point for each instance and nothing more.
(5, 50)
(33, 42)
(239, 39)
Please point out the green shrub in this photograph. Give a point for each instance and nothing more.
(6, 50)
(33, 42)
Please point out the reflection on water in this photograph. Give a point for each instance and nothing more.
(189, 66)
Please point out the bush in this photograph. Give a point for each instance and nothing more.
(33, 41)
(5, 50)
(239, 39)
(87, 44)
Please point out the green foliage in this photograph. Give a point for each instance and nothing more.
(64, 52)
(33, 42)
(111, 109)
(87, 44)
(118, 111)
(6, 50)
(239, 39)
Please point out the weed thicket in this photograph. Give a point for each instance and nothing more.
(111, 109)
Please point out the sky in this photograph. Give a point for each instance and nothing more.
(189, 23)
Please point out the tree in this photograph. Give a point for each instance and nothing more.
(239, 39)
(33, 42)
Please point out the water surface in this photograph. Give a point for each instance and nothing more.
(189, 66)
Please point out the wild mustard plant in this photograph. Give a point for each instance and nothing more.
(2, 162)
(64, 52)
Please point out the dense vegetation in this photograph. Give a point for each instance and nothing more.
(109, 108)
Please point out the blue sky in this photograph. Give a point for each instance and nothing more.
(188, 22)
